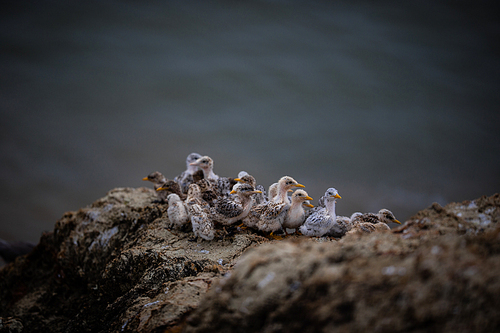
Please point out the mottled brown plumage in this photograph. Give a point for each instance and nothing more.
(208, 192)
(250, 180)
(370, 222)
(171, 186)
(199, 211)
(228, 210)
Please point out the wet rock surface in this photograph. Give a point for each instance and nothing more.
(115, 266)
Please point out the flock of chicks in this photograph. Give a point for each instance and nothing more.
(200, 197)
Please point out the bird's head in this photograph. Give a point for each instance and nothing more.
(288, 182)
(300, 196)
(204, 162)
(387, 216)
(332, 194)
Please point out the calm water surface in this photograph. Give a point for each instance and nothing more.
(395, 104)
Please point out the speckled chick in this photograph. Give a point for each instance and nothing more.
(208, 193)
(370, 222)
(221, 185)
(206, 164)
(177, 211)
(324, 220)
(340, 228)
(187, 176)
(171, 186)
(199, 211)
(383, 216)
(245, 178)
(195, 196)
(202, 225)
(227, 210)
(224, 186)
(271, 216)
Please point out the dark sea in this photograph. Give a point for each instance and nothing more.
(394, 103)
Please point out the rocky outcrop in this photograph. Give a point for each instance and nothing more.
(115, 266)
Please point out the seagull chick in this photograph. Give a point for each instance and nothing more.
(226, 210)
(158, 180)
(271, 216)
(199, 211)
(187, 176)
(170, 186)
(202, 225)
(284, 184)
(268, 217)
(222, 185)
(206, 164)
(177, 211)
(370, 222)
(324, 220)
(245, 178)
(296, 215)
(208, 193)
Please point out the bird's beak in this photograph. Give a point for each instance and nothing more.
(396, 221)
(161, 189)
(193, 163)
(337, 196)
(145, 178)
(237, 179)
(232, 192)
(309, 198)
(309, 205)
(256, 191)
(299, 185)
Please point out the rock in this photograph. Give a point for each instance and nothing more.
(10, 325)
(114, 266)
(372, 284)
(438, 272)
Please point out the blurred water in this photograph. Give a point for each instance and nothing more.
(393, 103)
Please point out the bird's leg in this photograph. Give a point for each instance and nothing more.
(242, 226)
(271, 235)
